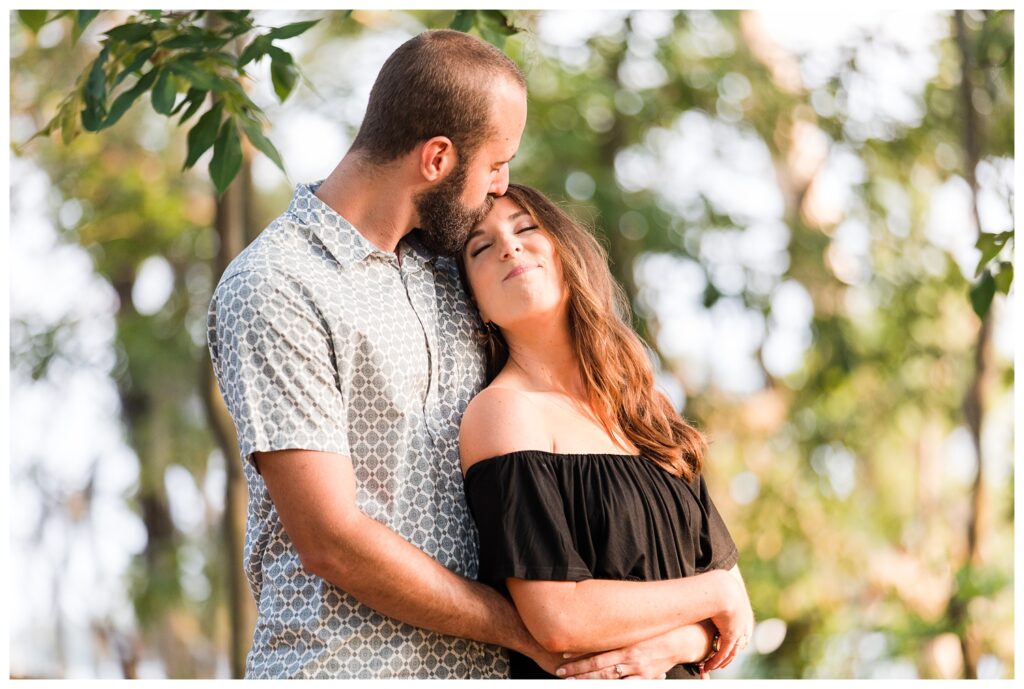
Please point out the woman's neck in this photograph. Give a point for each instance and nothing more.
(543, 357)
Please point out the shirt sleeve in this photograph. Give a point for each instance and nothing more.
(520, 515)
(715, 535)
(274, 360)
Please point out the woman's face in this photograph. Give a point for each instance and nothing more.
(513, 269)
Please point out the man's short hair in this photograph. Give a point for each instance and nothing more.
(435, 84)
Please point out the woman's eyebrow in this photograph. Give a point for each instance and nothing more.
(518, 214)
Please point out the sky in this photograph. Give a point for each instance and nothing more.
(66, 431)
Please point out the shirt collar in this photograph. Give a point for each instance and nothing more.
(345, 242)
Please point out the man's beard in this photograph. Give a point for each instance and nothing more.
(444, 221)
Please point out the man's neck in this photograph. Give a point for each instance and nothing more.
(374, 199)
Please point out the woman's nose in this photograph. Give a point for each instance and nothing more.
(511, 247)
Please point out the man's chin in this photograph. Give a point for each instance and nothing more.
(443, 242)
(447, 238)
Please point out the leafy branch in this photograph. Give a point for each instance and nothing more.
(183, 60)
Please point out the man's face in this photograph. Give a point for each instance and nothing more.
(461, 200)
(444, 220)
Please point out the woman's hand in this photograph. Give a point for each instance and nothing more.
(735, 622)
(648, 659)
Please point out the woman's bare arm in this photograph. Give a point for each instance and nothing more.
(600, 614)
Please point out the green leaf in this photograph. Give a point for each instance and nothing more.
(982, 293)
(254, 51)
(499, 20)
(133, 32)
(494, 27)
(283, 74)
(164, 93)
(201, 57)
(96, 85)
(94, 93)
(68, 116)
(33, 19)
(203, 134)
(82, 19)
(153, 14)
(202, 78)
(280, 54)
(463, 20)
(85, 17)
(195, 38)
(292, 30)
(124, 101)
(134, 66)
(195, 98)
(1004, 278)
(227, 156)
(190, 39)
(254, 132)
(990, 245)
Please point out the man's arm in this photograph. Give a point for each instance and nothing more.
(266, 332)
(314, 493)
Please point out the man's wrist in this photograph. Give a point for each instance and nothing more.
(510, 631)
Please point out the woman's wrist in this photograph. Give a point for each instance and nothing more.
(693, 644)
(713, 638)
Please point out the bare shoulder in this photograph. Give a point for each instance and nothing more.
(500, 420)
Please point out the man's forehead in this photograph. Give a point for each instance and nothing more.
(501, 149)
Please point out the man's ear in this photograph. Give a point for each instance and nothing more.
(437, 158)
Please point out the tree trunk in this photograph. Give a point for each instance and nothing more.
(974, 400)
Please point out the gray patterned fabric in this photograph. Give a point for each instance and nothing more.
(321, 341)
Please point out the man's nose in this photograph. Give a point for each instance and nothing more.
(500, 184)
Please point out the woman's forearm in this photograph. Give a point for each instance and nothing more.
(599, 614)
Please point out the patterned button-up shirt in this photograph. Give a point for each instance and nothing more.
(321, 341)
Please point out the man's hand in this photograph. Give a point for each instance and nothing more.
(649, 659)
(547, 660)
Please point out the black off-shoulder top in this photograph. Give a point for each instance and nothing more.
(570, 517)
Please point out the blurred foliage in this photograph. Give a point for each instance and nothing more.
(854, 539)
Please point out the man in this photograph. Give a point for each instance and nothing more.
(343, 345)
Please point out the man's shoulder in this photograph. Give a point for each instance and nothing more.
(281, 247)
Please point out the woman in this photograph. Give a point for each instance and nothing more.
(584, 482)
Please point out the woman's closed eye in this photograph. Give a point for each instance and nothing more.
(480, 248)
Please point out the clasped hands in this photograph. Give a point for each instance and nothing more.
(652, 658)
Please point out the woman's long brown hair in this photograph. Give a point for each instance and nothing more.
(613, 362)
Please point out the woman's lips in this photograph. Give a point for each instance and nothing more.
(518, 270)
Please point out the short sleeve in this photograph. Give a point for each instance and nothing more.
(275, 364)
(714, 535)
(520, 514)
